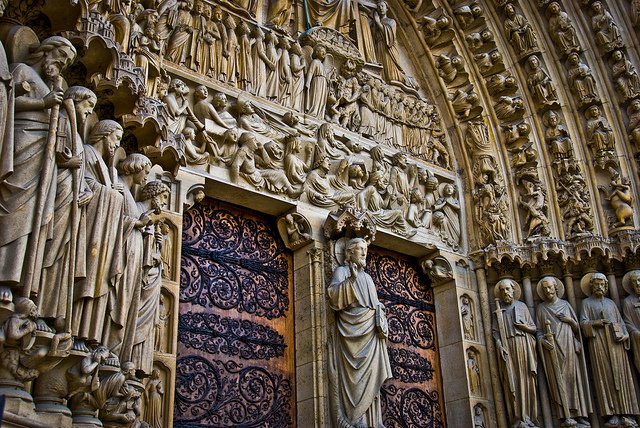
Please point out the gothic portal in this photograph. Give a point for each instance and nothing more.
(328, 213)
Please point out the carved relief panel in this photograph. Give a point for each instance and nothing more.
(235, 350)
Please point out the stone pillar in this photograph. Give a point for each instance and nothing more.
(311, 337)
(485, 311)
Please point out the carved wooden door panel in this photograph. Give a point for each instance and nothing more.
(235, 363)
(413, 398)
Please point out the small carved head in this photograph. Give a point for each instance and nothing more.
(383, 7)
(25, 306)
(55, 53)
(634, 281)
(599, 284)
(135, 164)
(106, 136)
(506, 290)
(84, 101)
(158, 193)
(356, 252)
(219, 100)
(319, 52)
(201, 92)
(554, 8)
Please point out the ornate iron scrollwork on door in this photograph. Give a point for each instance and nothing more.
(413, 398)
(235, 359)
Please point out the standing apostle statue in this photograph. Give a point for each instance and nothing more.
(359, 358)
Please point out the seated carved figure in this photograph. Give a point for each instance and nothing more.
(244, 164)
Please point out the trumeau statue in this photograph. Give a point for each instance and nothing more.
(359, 351)
(560, 347)
(514, 333)
(607, 338)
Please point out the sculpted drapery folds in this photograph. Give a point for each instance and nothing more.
(385, 39)
(519, 31)
(514, 333)
(6, 109)
(28, 171)
(359, 355)
(562, 31)
(95, 309)
(631, 311)
(133, 172)
(316, 83)
(561, 350)
(607, 337)
(65, 252)
(154, 197)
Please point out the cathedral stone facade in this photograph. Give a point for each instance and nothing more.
(327, 213)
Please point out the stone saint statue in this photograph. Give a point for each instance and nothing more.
(28, 170)
(560, 348)
(359, 360)
(384, 36)
(607, 337)
(514, 332)
(631, 310)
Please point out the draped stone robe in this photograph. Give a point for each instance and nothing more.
(360, 354)
(631, 310)
(521, 346)
(95, 297)
(612, 377)
(22, 169)
(569, 350)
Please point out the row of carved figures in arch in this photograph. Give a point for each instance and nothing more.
(558, 341)
(510, 108)
(286, 156)
(274, 66)
(599, 133)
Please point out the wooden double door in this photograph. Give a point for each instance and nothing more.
(236, 360)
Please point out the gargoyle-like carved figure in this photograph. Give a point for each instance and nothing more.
(18, 355)
(119, 399)
(83, 382)
(620, 199)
